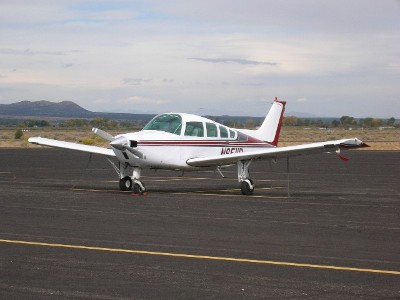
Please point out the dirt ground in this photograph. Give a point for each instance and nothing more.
(378, 139)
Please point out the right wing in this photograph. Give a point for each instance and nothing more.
(71, 146)
(276, 152)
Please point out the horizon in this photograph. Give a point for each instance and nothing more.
(286, 114)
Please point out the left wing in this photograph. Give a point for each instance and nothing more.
(278, 152)
(71, 146)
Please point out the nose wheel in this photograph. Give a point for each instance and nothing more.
(247, 186)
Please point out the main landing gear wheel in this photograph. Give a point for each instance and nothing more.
(139, 188)
(125, 184)
(247, 186)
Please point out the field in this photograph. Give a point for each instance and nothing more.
(378, 139)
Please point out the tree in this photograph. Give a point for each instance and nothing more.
(391, 121)
(36, 123)
(376, 122)
(289, 121)
(348, 121)
(250, 124)
(335, 123)
(76, 123)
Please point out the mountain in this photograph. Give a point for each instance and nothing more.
(64, 109)
(45, 109)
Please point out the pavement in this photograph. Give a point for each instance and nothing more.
(328, 230)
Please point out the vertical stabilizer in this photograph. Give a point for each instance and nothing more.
(271, 127)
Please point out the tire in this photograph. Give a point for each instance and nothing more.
(137, 189)
(245, 187)
(125, 184)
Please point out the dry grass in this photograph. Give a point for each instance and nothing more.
(386, 139)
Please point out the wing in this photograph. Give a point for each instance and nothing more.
(71, 146)
(278, 152)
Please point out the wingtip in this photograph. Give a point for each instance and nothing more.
(354, 143)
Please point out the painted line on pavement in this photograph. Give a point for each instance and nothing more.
(204, 257)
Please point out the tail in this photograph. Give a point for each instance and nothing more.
(270, 129)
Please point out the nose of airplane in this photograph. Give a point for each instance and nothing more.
(119, 143)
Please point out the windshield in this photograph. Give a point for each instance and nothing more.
(167, 122)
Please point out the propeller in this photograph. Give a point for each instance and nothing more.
(121, 143)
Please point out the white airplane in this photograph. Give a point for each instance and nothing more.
(178, 141)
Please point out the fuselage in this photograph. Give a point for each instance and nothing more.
(169, 140)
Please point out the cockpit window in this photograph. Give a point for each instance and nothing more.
(167, 122)
(194, 129)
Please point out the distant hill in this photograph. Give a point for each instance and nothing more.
(45, 108)
(64, 109)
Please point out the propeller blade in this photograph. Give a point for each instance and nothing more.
(103, 134)
(134, 152)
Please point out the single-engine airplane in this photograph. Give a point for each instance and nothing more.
(186, 142)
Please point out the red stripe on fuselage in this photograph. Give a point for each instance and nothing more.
(205, 143)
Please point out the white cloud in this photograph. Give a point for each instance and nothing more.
(143, 100)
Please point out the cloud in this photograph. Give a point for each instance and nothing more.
(143, 100)
(29, 52)
(302, 100)
(233, 60)
(135, 81)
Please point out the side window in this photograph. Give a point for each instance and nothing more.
(211, 130)
(194, 129)
(223, 132)
(232, 134)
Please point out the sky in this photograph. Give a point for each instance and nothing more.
(325, 58)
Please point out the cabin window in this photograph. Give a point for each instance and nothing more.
(223, 132)
(194, 129)
(211, 130)
(167, 122)
(242, 137)
(232, 134)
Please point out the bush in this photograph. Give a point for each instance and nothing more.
(88, 141)
(18, 134)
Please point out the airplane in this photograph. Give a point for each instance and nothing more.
(187, 142)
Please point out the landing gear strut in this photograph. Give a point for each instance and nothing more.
(138, 186)
(126, 181)
(246, 184)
